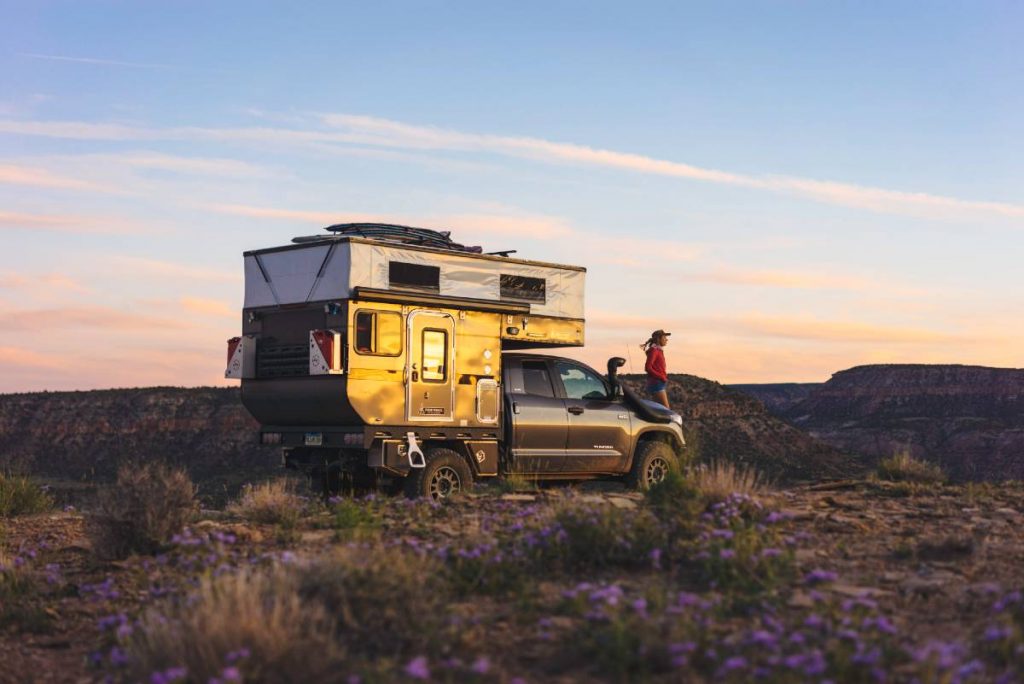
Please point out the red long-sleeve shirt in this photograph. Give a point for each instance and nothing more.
(655, 365)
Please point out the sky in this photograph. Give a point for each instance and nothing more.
(791, 188)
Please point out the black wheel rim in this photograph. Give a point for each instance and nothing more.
(656, 471)
(444, 483)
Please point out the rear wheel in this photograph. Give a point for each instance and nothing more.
(651, 464)
(445, 475)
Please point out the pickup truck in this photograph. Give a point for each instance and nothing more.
(388, 356)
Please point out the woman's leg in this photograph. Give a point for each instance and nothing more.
(662, 398)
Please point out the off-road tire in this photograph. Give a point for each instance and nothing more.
(445, 474)
(651, 463)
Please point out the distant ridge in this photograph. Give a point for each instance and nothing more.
(725, 424)
(84, 436)
(969, 419)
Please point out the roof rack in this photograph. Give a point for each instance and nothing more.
(409, 235)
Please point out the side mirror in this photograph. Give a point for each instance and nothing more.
(614, 364)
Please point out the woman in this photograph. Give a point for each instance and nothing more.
(657, 375)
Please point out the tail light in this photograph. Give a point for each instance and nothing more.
(241, 357)
(325, 347)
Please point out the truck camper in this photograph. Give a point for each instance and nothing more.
(388, 356)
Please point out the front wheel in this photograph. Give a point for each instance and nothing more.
(651, 464)
(445, 475)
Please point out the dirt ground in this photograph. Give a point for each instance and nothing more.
(934, 560)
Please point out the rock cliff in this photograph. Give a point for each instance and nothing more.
(723, 423)
(83, 436)
(968, 419)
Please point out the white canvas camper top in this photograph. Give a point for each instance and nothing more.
(332, 267)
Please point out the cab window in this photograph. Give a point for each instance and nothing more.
(435, 355)
(580, 383)
(378, 333)
(536, 379)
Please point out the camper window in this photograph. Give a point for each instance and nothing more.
(415, 276)
(378, 333)
(435, 355)
(523, 288)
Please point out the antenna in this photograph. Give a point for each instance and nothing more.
(630, 355)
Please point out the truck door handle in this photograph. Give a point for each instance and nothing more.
(515, 408)
(576, 410)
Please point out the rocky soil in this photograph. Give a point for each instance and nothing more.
(926, 567)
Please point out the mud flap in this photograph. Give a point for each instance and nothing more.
(416, 458)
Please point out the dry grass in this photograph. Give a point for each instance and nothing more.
(718, 479)
(363, 609)
(903, 467)
(148, 505)
(21, 496)
(253, 619)
(274, 502)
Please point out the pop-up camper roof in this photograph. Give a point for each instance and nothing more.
(334, 266)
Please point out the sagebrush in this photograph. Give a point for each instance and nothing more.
(142, 511)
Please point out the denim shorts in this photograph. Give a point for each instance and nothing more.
(655, 386)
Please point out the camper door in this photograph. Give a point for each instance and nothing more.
(430, 365)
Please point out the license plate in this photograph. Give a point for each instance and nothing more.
(314, 438)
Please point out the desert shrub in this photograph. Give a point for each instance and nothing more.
(354, 517)
(385, 601)
(594, 537)
(274, 502)
(903, 467)
(515, 482)
(148, 505)
(254, 621)
(363, 613)
(659, 633)
(717, 480)
(21, 496)
(677, 500)
(21, 596)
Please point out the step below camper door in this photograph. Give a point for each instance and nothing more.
(430, 365)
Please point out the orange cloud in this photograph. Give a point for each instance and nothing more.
(26, 358)
(836, 331)
(65, 223)
(97, 317)
(23, 175)
(150, 267)
(209, 307)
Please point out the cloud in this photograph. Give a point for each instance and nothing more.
(54, 283)
(71, 317)
(801, 328)
(203, 166)
(23, 175)
(209, 307)
(93, 60)
(471, 224)
(67, 223)
(26, 358)
(169, 269)
(348, 129)
(782, 279)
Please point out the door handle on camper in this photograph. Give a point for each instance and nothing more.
(515, 408)
(575, 410)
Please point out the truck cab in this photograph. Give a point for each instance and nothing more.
(388, 356)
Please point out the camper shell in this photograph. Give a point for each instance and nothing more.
(366, 347)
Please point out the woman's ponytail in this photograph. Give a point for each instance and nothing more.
(647, 345)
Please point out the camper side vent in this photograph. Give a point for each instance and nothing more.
(523, 288)
(414, 276)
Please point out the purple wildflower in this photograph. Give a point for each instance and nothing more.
(418, 668)
(820, 576)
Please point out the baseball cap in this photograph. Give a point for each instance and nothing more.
(659, 333)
